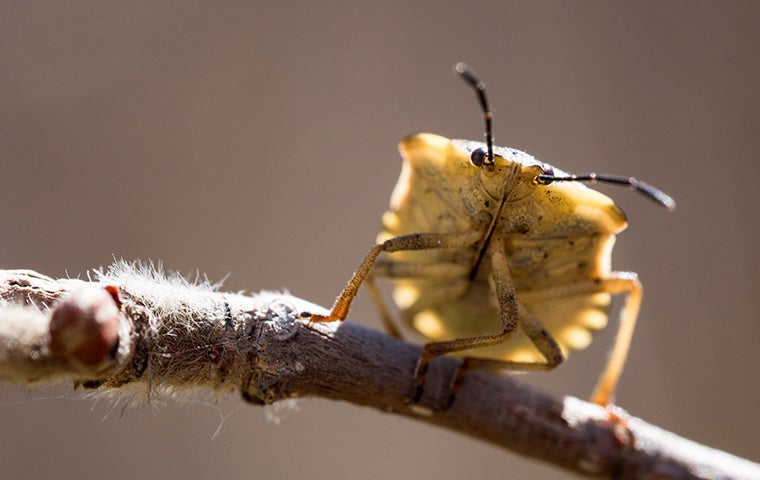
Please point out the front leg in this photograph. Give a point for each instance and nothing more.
(414, 241)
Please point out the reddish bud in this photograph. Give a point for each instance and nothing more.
(84, 327)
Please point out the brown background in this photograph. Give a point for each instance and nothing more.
(259, 140)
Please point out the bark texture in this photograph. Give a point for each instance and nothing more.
(133, 327)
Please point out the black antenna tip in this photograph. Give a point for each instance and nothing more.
(659, 197)
(464, 71)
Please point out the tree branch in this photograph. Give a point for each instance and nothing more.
(135, 328)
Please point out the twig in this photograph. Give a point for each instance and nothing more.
(135, 327)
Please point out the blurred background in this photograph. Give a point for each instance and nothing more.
(258, 140)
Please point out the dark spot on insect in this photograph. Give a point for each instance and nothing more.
(487, 204)
(540, 217)
(571, 242)
(597, 281)
(546, 254)
(582, 265)
(522, 229)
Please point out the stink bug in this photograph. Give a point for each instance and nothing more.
(499, 258)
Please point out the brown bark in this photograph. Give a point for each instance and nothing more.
(135, 327)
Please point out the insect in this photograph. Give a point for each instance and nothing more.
(499, 258)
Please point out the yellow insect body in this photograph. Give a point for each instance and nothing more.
(499, 258)
(554, 235)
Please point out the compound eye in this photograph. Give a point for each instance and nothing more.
(478, 157)
(547, 177)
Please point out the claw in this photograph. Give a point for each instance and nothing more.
(317, 318)
(623, 433)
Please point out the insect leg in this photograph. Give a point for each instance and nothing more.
(395, 269)
(605, 386)
(415, 241)
(508, 311)
(617, 283)
(536, 332)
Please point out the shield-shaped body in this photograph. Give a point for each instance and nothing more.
(555, 236)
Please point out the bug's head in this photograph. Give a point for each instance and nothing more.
(510, 170)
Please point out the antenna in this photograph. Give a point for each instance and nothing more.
(479, 157)
(480, 89)
(653, 193)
